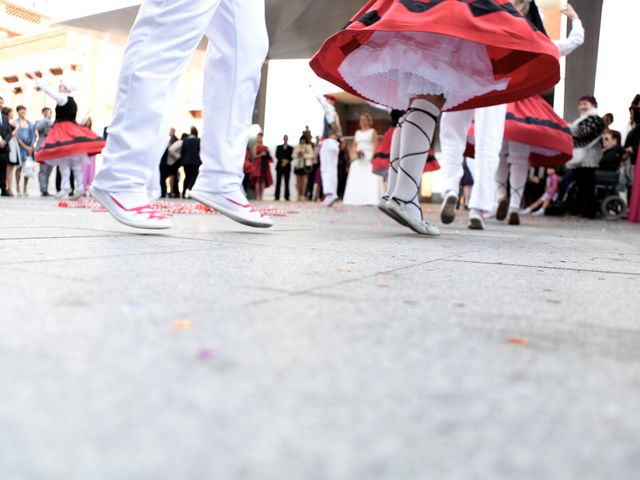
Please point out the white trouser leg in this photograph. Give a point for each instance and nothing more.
(489, 133)
(65, 174)
(394, 159)
(76, 163)
(329, 154)
(161, 44)
(238, 45)
(519, 172)
(454, 127)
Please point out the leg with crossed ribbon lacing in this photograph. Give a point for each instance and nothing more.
(519, 173)
(394, 162)
(417, 128)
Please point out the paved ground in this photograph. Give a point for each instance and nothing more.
(337, 346)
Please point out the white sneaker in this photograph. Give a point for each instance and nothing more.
(538, 213)
(63, 194)
(383, 206)
(419, 226)
(144, 216)
(330, 200)
(235, 206)
(448, 210)
(476, 222)
(76, 195)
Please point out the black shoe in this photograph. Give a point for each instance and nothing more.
(44, 194)
(503, 209)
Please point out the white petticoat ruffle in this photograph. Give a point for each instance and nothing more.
(393, 67)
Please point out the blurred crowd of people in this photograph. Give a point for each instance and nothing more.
(20, 138)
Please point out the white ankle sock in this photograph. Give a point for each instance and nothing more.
(518, 181)
(418, 126)
(394, 161)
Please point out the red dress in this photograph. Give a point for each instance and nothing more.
(534, 123)
(66, 138)
(634, 207)
(261, 167)
(483, 52)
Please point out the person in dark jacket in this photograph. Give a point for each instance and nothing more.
(284, 157)
(190, 159)
(169, 171)
(613, 154)
(6, 132)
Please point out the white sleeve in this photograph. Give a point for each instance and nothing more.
(329, 110)
(573, 41)
(60, 98)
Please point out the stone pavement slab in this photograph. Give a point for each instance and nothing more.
(337, 346)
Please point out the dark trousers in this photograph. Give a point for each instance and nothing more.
(3, 175)
(311, 180)
(190, 177)
(167, 171)
(280, 174)
(586, 185)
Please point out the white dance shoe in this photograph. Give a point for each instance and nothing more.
(399, 210)
(142, 215)
(235, 206)
(383, 206)
(476, 222)
(448, 210)
(330, 200)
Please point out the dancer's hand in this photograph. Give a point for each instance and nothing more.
(570, 12)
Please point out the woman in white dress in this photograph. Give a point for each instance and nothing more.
(363, 187)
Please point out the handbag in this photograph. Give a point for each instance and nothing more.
(29, 167)
(580, 154)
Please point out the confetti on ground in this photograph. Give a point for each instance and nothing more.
(206, 354)
(522, 342)
(554, 302)
(182, 325)
(384, 286)
(173, 208)
(459, 305)
(346, 270)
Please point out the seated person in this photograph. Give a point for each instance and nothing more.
(612, 156)
(550, 195)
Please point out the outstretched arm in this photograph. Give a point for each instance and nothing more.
(576, 37)
(60, 98)
(329, 110)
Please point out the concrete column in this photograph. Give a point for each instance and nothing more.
(261, 100)
(581, 64)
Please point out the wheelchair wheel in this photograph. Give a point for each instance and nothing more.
(613, 207)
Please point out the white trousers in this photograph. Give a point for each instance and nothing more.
(329, 155)
(489, 132)
(73, 164)
(163, 40)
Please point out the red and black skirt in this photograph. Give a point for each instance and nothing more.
(67, 139)
(534, 124)
(474, 52)
(381, 161)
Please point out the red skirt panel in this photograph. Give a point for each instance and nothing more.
(66, 139)
(534, 123)
(381, 161)
(516, 49)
